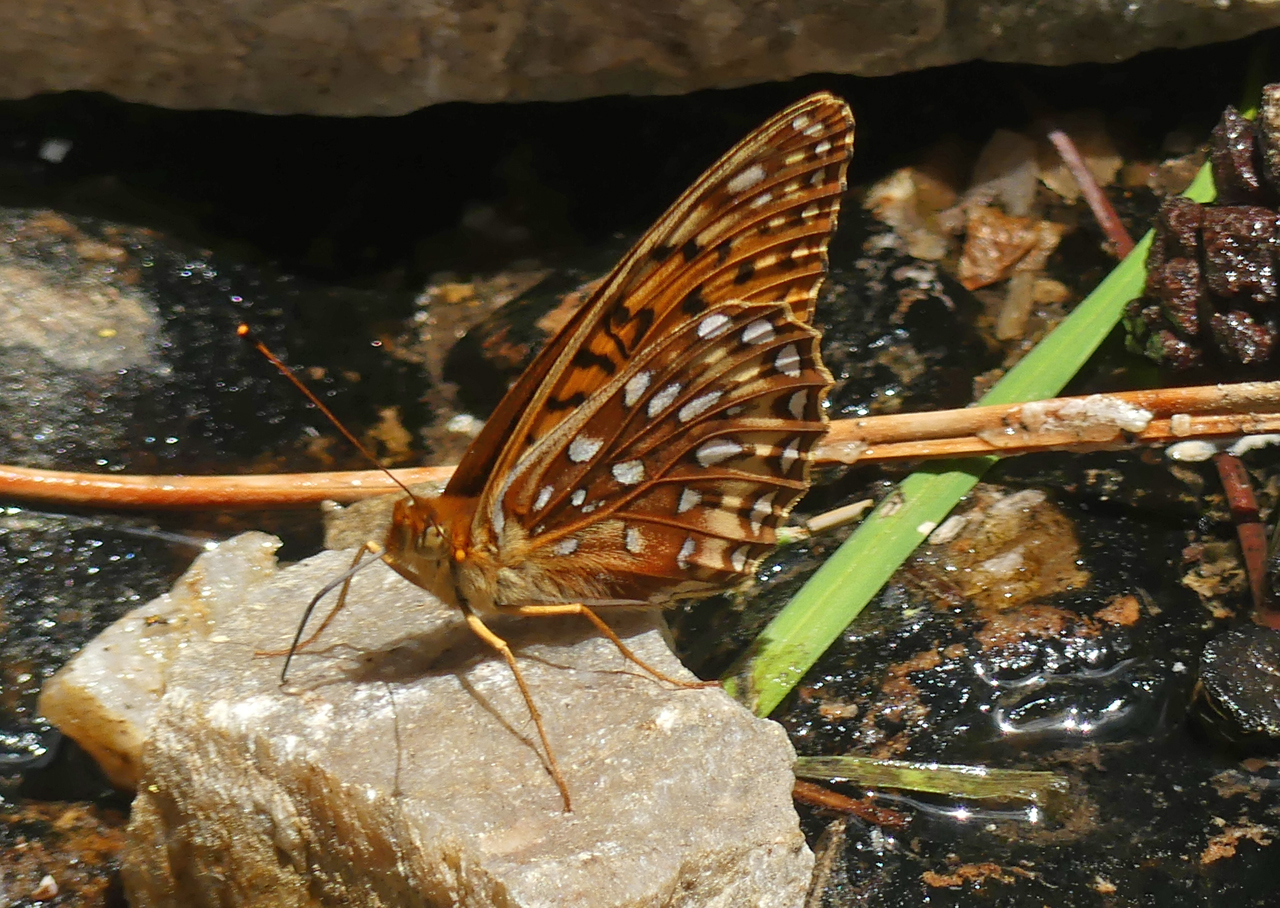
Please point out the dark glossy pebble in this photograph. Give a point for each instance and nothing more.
(1237, 697)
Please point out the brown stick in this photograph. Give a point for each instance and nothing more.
(1097, 422)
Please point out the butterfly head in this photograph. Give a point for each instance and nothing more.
(421, 548)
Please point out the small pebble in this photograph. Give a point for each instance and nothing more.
(45, 890)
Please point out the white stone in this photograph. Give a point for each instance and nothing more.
(399, 764)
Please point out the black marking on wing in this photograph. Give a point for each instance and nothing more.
(588, 359)
(693, 303)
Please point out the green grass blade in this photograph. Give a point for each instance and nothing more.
(974, 782)
(839, 590)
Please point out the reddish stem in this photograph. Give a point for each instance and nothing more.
(1238, 488)
(1103, 211)
(866, 808)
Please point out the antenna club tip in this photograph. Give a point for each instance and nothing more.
(242, 330)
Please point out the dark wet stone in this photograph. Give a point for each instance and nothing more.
(898, 332)
(142, 367)
(67, 578)
(976, 654)
(1237, 695)
(120, 354)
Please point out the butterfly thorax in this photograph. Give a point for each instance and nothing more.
(431, 544)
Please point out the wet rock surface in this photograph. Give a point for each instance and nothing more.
(1046, 631)
(118, 352)
(119, 339)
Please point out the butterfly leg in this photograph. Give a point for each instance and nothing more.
(577, 608)
(481, 630)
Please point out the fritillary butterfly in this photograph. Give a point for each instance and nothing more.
(651, 450)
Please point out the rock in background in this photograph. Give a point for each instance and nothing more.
(350, 59)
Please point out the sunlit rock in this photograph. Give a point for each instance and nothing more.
(399, 764)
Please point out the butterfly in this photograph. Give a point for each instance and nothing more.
(652, 448)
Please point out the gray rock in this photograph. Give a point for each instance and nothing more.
(399, 766)
(397, 56)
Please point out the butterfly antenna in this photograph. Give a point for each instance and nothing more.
(329, 587)
(246, 332)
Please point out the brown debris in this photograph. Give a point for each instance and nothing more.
(1123, 611)
(863, 808)
(1225, 843)
(1046, 622)
(994, 243)
(73, 860)
(390, 437)
(1089, 134)
(966, 873)
(1014, 549)
(910, 200)
(1216, 575)
(557, 318)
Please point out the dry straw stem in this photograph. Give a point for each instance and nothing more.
(1099, 421)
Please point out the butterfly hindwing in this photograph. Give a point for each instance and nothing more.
(677, 474)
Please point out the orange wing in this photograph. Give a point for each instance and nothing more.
(754, 227)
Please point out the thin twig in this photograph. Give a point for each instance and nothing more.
(1097, 422)
(1103, 212)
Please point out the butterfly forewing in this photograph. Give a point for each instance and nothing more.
(754, 228)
